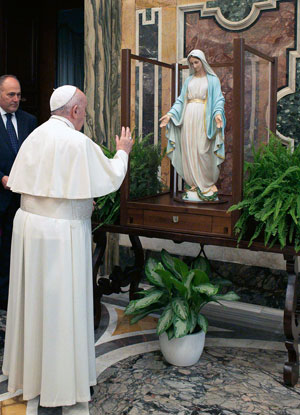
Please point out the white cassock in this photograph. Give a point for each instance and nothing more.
(49, 345)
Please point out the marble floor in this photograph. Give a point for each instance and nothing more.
(239, 373)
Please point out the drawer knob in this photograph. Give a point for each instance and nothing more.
(175, 219)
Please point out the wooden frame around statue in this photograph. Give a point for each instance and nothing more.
(164, 211)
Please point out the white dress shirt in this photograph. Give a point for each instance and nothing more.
(13, 119)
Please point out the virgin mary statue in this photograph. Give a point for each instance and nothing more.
(195, 130)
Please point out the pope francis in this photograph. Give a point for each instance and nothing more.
(49, 345)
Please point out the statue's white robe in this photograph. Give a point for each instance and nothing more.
(49, 345)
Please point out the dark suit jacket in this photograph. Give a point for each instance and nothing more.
(26, 124)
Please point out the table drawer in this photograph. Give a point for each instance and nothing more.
(135, 217)
(221, 225)
(178, 221)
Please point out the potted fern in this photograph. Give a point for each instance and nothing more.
(271, 196)
(179, 292)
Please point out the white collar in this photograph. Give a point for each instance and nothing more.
(65, 120)
(5, 112)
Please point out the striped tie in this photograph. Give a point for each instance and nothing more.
(12, 133)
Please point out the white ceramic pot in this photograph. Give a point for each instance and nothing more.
(185, 351)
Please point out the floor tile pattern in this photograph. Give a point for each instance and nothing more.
(239, 373)
(225, 381)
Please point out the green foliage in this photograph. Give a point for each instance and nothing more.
(272, 196)
(145, 161)
(180, 292)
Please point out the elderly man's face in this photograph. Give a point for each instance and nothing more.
(10, 95)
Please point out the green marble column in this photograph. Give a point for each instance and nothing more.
(102, 68)
(102, 84)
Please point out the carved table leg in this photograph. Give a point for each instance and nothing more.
(100, 240)
(291, 327)
(139, 265)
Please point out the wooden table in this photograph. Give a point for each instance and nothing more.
(133, 276)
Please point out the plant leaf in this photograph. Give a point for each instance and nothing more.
(166, 278)
(200, 277)
(170, 332)
(165, 320)
(180, 308)
(140, 316)
(181, 268)
(202, 322)
(182, 290)
(192, 320)
(130, 308)
(230, 296)
(203, 264)
(181, 327)
(169, 262)
(188, 282)
(208, 289)
(151, 268)
(148, 300)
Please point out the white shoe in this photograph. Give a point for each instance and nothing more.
(32, 406)
(80, 408)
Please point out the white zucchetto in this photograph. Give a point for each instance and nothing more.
(61, 96)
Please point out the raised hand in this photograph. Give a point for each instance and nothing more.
(125, 141)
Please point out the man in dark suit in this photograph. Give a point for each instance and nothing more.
(15, 126)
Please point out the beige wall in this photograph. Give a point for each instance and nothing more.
(169, 24)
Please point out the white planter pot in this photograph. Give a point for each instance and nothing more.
(185, 351)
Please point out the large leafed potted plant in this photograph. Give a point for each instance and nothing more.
(179, 292)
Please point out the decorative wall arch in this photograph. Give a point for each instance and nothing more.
(228, 24)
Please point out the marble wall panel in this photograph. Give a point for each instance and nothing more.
(102, 68)
(115, 104)
(102, 83)
(90, 43)
(234, 10)
(147, 75)
(288, 112)
(273, 34)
